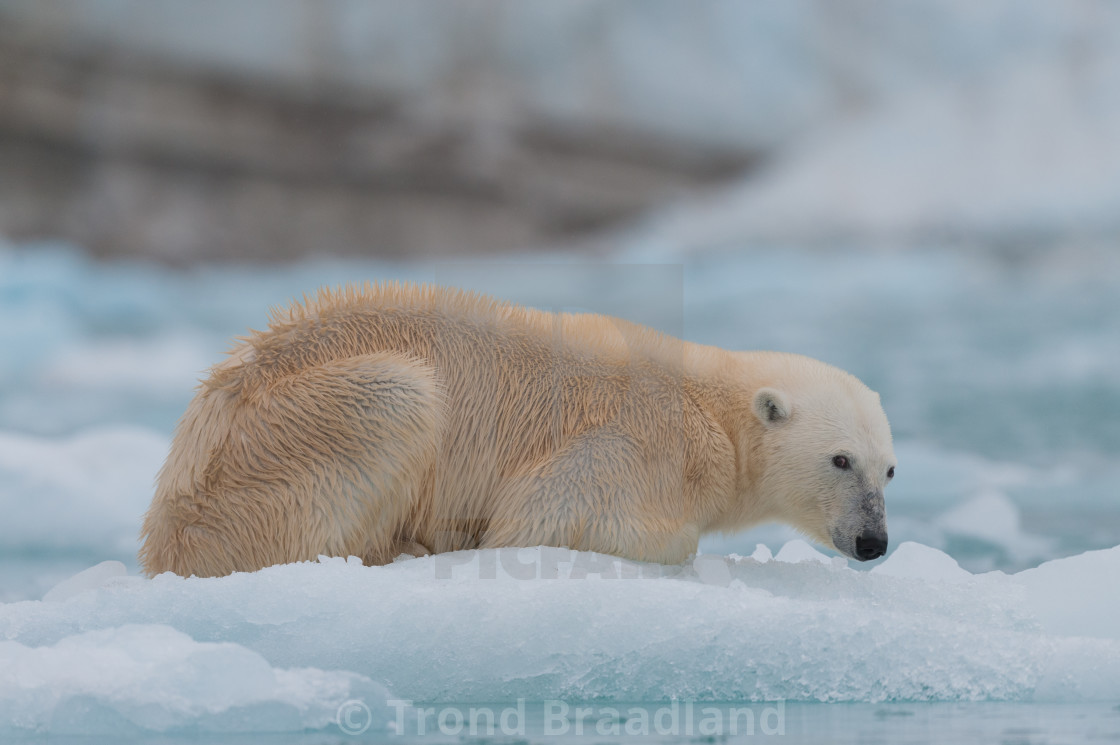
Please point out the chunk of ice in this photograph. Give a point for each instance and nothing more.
(136, 678)
(915, 561)
(798, 550)
(88, 579)
(1076, 596)
(542, 623)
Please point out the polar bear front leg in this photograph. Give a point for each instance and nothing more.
(600, 492)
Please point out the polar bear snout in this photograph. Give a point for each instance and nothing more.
(871, 539)
(860, 531)
(871, 545)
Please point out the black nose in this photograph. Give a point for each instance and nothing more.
(871, 546)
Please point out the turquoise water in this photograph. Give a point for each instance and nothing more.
(799, 723)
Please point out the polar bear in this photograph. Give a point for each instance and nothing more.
(394, 418)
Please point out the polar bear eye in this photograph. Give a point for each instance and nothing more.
(890, 472)
(841, 462)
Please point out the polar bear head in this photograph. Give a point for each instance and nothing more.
(826, 454)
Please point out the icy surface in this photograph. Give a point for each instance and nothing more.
(915, 561)
(153, 678)
(87, 579)
(549, 623)
(797, 551)
(1066, 597)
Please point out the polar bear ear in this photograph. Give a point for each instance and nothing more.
(771, 406)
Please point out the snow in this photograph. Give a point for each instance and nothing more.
(1077, 594)
(797, 551)
(87, 579)
(761, 553)
(915, 561)
(151, 678)
(283, 648)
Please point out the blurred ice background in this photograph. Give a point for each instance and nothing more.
(926, 194)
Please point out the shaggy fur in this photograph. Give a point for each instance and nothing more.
(397, 418)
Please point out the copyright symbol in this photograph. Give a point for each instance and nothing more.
(354, 717)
